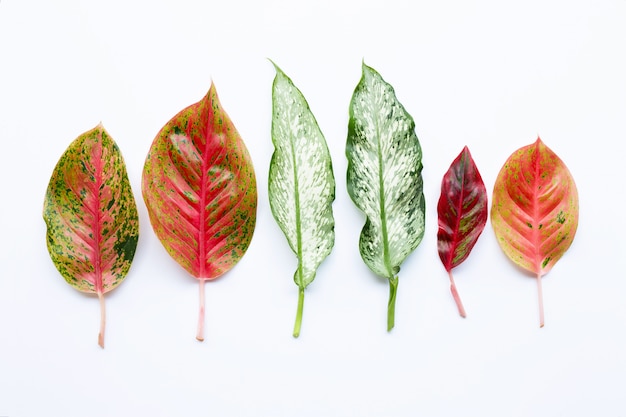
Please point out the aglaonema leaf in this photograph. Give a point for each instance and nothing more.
(200, 190)
(534, 212)
(301, 183)
(91, 216)
(462, 215)
(384, 178)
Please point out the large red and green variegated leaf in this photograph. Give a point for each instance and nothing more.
(200, 189)
(91, 216)
(462, 213)
(534, 213)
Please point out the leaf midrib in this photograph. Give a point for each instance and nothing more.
(536, 215)
(459, 213)
(202, 253)
(98, 218)
(381, 199)
(296, 184)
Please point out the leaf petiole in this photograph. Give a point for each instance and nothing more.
(296, 327)
(200, 333)
(455, 295)
(391, 307)
(102, 320)
(540, 296)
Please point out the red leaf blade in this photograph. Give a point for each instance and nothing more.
(199, 187)
(462, 210)
(462, 214)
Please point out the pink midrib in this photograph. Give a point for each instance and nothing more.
(97, 158)
(536, 219)
(459, 209)
(202, 205)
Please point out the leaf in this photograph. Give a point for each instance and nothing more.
(534, 212)
(91, 216)
(200, 190)
(301, 183)
(384, 178)
(462, 214)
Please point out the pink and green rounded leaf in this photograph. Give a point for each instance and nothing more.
(200, 189)
(535, 210)
(91, 216)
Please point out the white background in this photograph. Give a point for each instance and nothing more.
(488, 74)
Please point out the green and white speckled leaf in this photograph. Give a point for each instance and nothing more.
(301, 183)
(384, 178)
(91, 216)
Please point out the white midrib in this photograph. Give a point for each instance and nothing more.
(381, 200)
(294, 161)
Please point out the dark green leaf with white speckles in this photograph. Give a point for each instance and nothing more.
(385, 178)
(534, 212)
(301, 183)
(91, 216)
(200, 190)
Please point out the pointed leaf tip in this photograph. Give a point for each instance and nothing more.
(276, 67)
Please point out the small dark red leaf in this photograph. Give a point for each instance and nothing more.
(462, 212)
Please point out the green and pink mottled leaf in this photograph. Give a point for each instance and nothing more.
(534, 212)
(91, 216)
(462, 214)
(200, 190)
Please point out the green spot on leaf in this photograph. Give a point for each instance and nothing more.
(126, 249)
